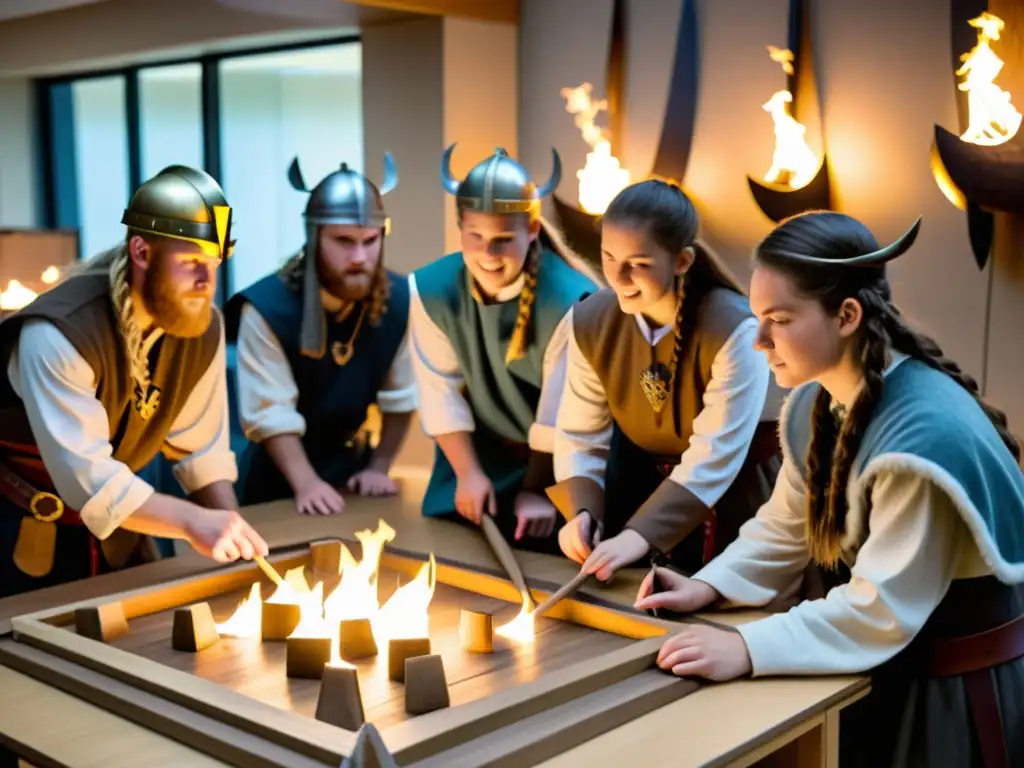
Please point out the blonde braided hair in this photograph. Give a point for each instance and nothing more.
(517, 343)
(131, 334)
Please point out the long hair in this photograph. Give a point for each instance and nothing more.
(665, 213)
(834, 444)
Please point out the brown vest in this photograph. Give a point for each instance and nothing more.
(82, 310)
(614, 346)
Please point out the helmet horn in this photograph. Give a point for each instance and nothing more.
(390, 174)
(449, 182)
(295, 176)
(556, 176)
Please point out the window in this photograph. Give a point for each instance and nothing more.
(274, 107)
(170, 117)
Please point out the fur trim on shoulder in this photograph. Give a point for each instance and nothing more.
(1006, 572)
(790, 402)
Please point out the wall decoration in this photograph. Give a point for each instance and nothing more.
(981, 171)
(602, 178)
(796, 181)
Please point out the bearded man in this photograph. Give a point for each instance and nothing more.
(122, 360)
(319, 342)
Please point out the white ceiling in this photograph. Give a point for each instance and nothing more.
(16, 9)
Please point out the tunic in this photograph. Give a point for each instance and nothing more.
(68, 425)
(459, 345)
(934, 539)
(628, 467)
(282, 391)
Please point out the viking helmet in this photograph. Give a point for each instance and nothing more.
(347, 197)
(185, 204)
(498, 185)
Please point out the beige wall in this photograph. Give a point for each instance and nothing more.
(885, 74)
(428, 83)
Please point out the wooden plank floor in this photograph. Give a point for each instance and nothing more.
(257, 669)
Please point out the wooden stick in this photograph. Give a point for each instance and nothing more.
(268, 569)
(562, 593)
(503, 552)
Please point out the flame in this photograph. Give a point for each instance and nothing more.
(793, 162)
(50, 275)
(602, 178)
(992, 118)
(405, 615)
(246, 620)
(522, 628)
(16, 296)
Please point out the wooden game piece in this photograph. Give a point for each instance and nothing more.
(194, 629)
(503, 551)
(356, 639)
(426, 687)
(369, 751)
(279, 620)
(306, 657)
(401, 649)
(562, 593)
(325, 558)
(340, 702)
(476, 631)
(101, 622)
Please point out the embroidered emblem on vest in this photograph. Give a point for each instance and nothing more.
(147, 405)
(654, 382)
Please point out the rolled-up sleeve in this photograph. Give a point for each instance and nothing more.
(398, 393)
(443, 409)
(71, 429)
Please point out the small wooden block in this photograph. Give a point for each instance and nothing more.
(356, 639)
(102, 623)
(340, 703)
(476, 632)
(369, 751)
(279, 620)
(400, 650)
(325, 558)
(194, 629)
(426, 687)
(306, 657)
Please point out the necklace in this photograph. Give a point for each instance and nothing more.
(342, 351)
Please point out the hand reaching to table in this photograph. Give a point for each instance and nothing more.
(474, 496)
(701, 650)
(224, 535)
(676, 593)
(319, 498)
(371, 482)
(615, 553)
(535, 516)
(578, 537)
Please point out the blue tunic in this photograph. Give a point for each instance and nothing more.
(503, 398)
(333, 399)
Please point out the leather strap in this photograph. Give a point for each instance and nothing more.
(988, 724)
(43, 505)
(977, 652)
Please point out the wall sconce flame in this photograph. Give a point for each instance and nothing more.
(793, 163)
(992, 118)
(602, 178)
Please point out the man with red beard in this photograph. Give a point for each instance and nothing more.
(319, 342)
(122, 360)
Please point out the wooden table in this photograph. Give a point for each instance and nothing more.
(785, 722)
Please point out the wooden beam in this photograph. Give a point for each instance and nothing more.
(482, 10)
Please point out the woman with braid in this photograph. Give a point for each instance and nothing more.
(901, 483)
(489, 331)
(666, 436)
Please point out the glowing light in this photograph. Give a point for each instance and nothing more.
(992, 118)
(793, 162)
(602, 178)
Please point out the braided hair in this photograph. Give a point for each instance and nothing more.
(836, 438)
(664, 212)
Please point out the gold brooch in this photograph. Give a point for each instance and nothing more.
(146, 406)
(654, 383)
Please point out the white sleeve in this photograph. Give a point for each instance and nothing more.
(201, 432)
(583, 433)
(398, 394)
(732, 407)
(553, 367)
(443, 409)
(71, 429)
(267, 393)
(902, 573)
(770, 549)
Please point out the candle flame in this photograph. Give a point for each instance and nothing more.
(602, 178)
(992, 118)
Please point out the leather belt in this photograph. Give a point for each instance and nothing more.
(973, 657)
(44, 506)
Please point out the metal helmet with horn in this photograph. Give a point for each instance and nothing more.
(498, 185)
(344, 197)
(876, 259)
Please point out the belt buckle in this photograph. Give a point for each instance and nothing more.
(40, 496)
